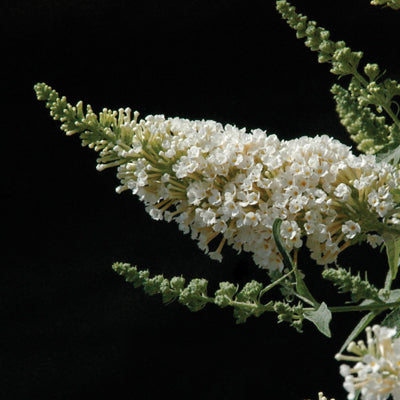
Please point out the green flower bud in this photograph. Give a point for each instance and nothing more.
(250, 291)
(225, 293)
(372, 71)
(153, 286)
(177, 283)
(131, 273)
(222, 300)
(226, 289)
(168, 293)
(194, 296)
(141, 278)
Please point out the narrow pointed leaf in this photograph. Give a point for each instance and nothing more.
(364, 322)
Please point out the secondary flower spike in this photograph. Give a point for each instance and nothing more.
(226, 186)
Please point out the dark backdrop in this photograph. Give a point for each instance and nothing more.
(70, 327)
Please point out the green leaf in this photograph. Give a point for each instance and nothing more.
(394, 295)
(321, 317)
(390, 154)
(392, 320)
(276, 230)
(303, 290)
(392, 243)
(364, 322)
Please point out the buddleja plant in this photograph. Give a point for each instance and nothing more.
(269, 197)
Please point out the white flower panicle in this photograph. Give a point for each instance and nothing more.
(376, 373)
(225, 186)
(220, 182)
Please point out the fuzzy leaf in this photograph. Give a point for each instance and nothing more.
(303, 290)
(321, 317)
(394, 296)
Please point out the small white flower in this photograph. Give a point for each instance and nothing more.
(207, 217)
(289, 230)
(220, 226)
(141, 178)
(321, 233)
(155, 213)
(215, 255)
(364, 181)
(351, 229)
(374, 240)
(342, 191)
(196, 192)
(383, 207)
(215, 198)
(194, 152)
(251, 219)
(373, 199)
(297, 204)
(170, 153)
(230, 209)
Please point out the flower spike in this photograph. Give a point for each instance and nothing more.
(226, 186)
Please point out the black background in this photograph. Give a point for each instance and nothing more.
(70, 328)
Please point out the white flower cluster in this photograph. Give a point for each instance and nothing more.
(219, 181)
(377, 370)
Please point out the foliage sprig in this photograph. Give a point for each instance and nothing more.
(367, 127)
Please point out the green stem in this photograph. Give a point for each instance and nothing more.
(267, 308)
(368, 307)
(263, 307)
(270, 286)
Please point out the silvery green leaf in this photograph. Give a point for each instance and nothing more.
(321, 317)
